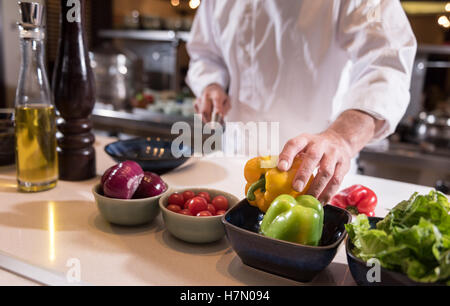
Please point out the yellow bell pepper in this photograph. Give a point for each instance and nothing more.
(265, 182)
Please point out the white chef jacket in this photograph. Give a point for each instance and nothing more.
(303, 62)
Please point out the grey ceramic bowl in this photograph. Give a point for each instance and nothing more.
(127, 212)
(195, 229)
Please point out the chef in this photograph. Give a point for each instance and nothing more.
(335, 74)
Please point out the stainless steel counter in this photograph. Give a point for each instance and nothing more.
(406, 162)
(139, 124)
(409, 155)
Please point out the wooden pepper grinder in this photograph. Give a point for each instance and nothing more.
(74, 92)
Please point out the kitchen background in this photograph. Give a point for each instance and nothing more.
(139, 59)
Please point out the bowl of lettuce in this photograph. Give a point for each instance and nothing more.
(411, 244)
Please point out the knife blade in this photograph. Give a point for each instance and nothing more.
(34, 273)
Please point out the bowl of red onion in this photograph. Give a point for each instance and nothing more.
(129, 196)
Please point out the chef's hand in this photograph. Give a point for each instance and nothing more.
(330, 151)
(212, 98)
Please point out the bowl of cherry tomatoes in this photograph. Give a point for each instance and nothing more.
(194, 215)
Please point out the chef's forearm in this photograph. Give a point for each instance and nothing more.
(356, 128)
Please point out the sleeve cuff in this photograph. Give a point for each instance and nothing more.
(198, 83)
(381, 103)
(204, 71)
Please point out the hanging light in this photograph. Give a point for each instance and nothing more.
(444, 22)
(447, 7)
(175, 2)
(193, 4)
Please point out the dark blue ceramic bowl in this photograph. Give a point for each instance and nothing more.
(153, 154)
(359, 269)
(294, 261)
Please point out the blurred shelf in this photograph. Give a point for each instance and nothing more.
(438, 64)
(433, 49)
(417, 7)
(151, 35)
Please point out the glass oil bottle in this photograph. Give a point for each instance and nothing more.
(35, 119)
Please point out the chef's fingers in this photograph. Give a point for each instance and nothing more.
(227, 106)
(335, 182)
(324, 174)
(290, 151)
(219, 98)
(205, 108)
(196, 105)
(310, 160)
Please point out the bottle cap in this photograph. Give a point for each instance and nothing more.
(31, 14)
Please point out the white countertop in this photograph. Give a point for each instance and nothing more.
(50, 228)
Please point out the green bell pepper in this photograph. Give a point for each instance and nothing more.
(298, 220)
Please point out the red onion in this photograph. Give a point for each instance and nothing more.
(106, 174)
(122, 180)
(151, 186)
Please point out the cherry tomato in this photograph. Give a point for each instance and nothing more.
(176, 199)
(186, 212)
(211, 209)
(220, 203)
(197, 204)
(188, 194)
(221, 212)
(205, 195)
(174, 208)
(205, 213)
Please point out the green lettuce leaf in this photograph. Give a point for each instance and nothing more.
(414, 238)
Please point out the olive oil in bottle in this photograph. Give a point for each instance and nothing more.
(36, 156)
(35, 122)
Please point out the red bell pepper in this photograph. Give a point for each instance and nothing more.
(357, 199)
